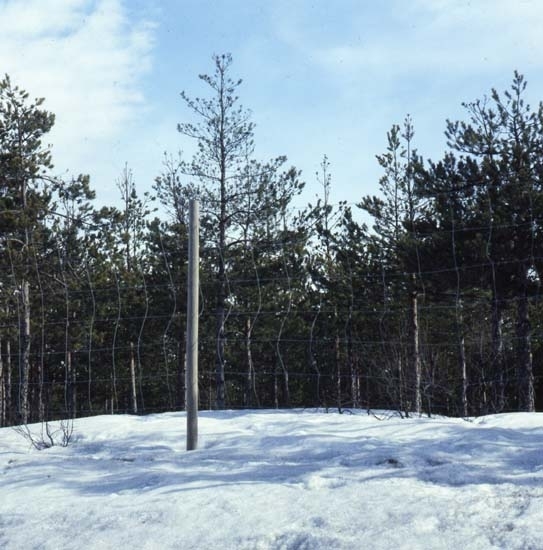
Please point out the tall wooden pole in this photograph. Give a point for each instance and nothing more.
(192, 327)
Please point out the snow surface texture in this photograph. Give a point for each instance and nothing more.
(278, 480)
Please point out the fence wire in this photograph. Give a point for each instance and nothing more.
(83, 331)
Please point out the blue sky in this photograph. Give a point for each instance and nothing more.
(320, 77)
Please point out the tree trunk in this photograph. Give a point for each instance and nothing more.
(286, 387)
(313, 360)
(403, 406)
(134, 394)
(462, 356)
(526, 377)
(9, 414)
(41, 364)
(221, 275)
(337, 359)
(415, 349)
(70, 386)
(2, 391)
(464, 375)
(497, 369)
(24, 407)
(220, 311)
(275, 387)
(250, 389)
(219, 363)
(353, 369)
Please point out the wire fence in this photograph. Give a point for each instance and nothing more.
(87, 331)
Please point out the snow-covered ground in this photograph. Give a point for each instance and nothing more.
(278, 480)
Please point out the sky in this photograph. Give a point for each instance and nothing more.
(320, 77)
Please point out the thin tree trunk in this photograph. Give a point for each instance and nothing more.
(8, 390)
(415, 349)
(219, 364)
(24, 407)
(220, 315)
(286, 387)
(69, 385)
(276, 388)
(41, 389)
(353, 370)
(74, 387)
(133, 379)
(337, 359)
(250, 389)
(313, 359)
(221, 275)
(497, 370)
(355, 389)
(526, 378)
(70, 389)
(401, 384)
(41, 361)
(462, 356)
(464, 375)
(90, 342)
(353, 364)
(337, 355)
(2, 390)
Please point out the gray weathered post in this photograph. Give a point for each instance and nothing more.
(192, 327)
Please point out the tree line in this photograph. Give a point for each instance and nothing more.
(434, 308)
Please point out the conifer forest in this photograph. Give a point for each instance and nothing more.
(432, 305)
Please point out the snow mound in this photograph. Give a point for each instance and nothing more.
(287, 480)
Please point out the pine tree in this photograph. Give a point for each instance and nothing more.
(235, 192)
(397, 215)
(504, 137)
(24, 166)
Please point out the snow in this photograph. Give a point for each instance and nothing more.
(278, 480)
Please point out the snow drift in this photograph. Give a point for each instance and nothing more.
(278, 480)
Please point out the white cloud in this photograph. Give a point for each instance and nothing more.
(87, 58)
(425, 36)
(23, 20)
